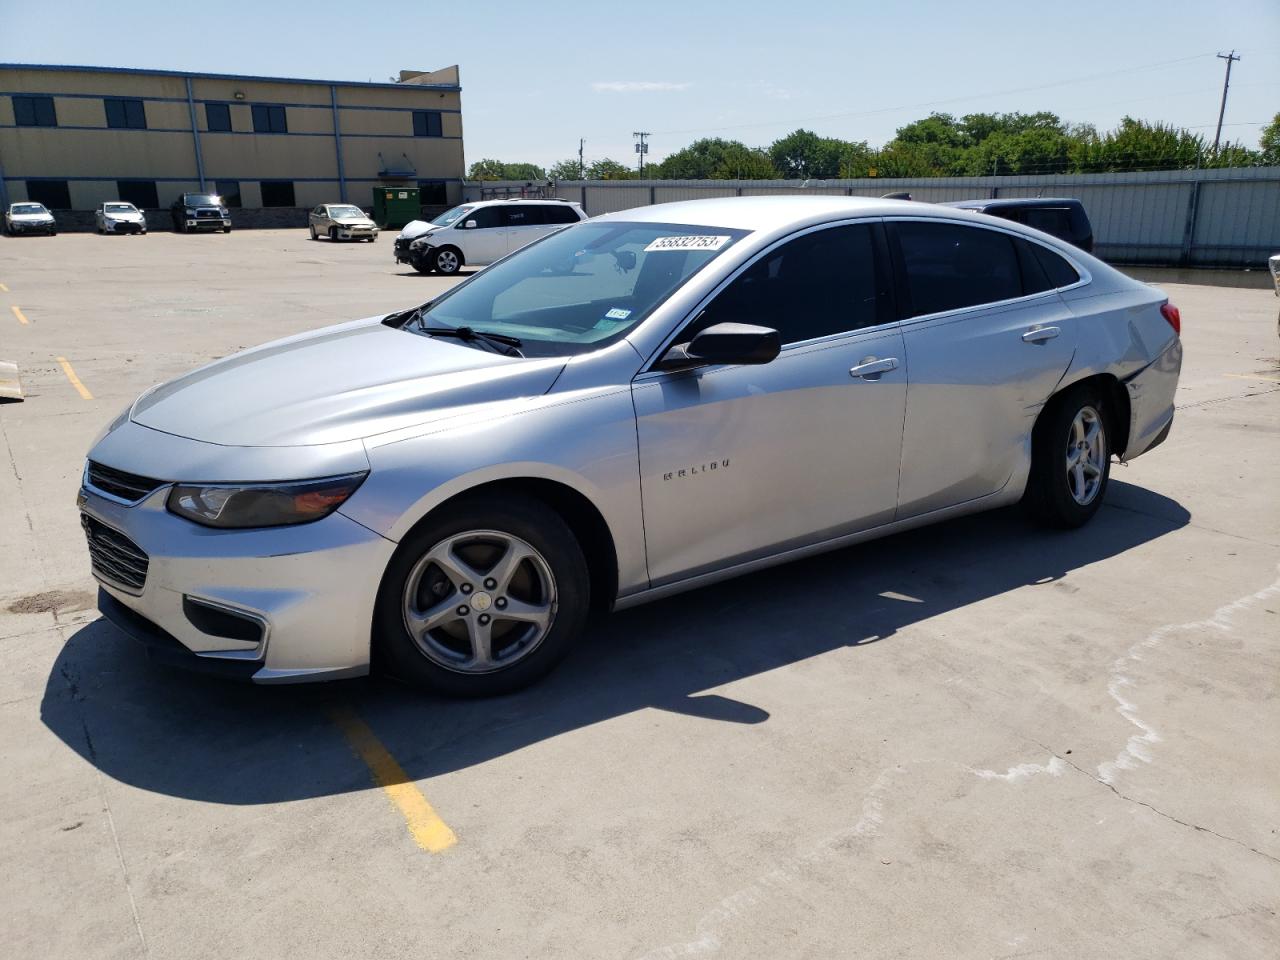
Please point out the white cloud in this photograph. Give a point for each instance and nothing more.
(637, 86)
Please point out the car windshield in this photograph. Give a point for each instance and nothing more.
(449, 216)
(345, 212)
(29, 208)
(191, 199)
(120, 208)
(582, 287)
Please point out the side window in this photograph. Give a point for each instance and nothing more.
(1059, 272)
(486, 217)
(269, 119)
(819, 284)
(1055, 221)
(1034, 279)
(948, 266)
(426, 123)
(561, 213)
(125, 114)
(518, 215)
(217, 117)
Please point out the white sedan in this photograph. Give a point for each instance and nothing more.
(29, 217)
(116, 216)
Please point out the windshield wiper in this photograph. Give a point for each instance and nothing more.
(512, 344)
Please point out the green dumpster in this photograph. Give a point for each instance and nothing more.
(395, 206)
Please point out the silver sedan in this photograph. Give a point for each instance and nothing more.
(637, 405)
(341, 221)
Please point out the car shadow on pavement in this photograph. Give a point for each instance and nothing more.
(188, 736)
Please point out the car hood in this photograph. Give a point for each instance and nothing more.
(340, 383)
(354, 222)
(30, 217)
(417, 228)
(126, 217)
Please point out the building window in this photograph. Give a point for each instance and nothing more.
(431, 193)
(426, 123)
(229, 191)
(141, 193)
(34, 112)
(126, 114)
(52, 193)
(217, 117)
(269, 120)
(277, 193)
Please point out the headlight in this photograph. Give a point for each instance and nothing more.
(418, 244)
(190, 212)
(262, 504)
(224, 211)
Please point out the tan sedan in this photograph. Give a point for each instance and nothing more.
(341, 221)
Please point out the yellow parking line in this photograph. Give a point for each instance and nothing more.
(75, 381)
(430, 832)
(1252, 376)
(19, 314)
(3, 288)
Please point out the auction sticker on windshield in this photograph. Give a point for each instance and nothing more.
(687, 243)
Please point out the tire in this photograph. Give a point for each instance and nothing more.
(551, 583)
(226, 229)
(333, 234)
(421, 265)
(1070, 463)
(312, 231)
(446, 261)
(374, 238)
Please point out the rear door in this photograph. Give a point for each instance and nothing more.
(524, 224)
(487, 240)
(987, 339)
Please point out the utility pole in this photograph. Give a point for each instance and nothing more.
(641, 147)
(581, 169)
(1230, 58)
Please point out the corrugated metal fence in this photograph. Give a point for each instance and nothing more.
(1221, 218)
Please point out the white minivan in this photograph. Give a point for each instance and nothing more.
(476, 234)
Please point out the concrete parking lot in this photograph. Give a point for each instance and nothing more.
(980, 739)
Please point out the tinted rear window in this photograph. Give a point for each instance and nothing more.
(1059, 271)
(950, 266)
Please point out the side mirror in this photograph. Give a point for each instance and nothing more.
(469, 225)
(736, 343)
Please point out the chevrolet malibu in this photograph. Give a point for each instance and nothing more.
(637, 405)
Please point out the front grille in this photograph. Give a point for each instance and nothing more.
(208, 213)
(115, 558)
(118, 483)
(402, 244)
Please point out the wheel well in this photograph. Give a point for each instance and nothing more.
(586, 522)
(462, 257)
(1117, 403)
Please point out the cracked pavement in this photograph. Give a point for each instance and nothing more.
(973, 740)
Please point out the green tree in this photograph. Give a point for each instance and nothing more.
(715, 159)
(564, 170)
(607, 169)
(1270, 142)
(497, 170)
(486, 170)
(803, 155)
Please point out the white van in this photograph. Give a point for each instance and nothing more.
(476, 234)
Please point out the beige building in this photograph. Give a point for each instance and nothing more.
(72, 137)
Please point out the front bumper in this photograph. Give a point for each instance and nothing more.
(1151, 393)
(208, 223)
(357, 233)
(26, 226)
(306, 592)
(124, 226)
(404, 254)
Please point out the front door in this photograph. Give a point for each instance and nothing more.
(741, 462)
(487, 240)
(987, 340)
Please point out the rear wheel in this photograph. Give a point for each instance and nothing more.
(1071, 459)
(484, 600)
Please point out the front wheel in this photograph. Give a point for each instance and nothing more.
(447, 261)
(313, 233)
(484, 600)
(1070, 460)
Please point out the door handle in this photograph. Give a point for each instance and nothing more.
(871, 368)
(1040, 334)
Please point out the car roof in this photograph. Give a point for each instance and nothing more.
(1010, 202)
(766, 213)
(547, 201)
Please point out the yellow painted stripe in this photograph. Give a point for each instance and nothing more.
(75, 381)
(1252, 376)
(19, 314)
(430, 832)
(3, 288)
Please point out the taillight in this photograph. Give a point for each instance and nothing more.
(1170, 313)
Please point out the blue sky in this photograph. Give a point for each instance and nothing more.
(535, 79)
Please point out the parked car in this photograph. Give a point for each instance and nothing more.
(115, 216)
(1273, 264)
(1059, 217)
(341, 221)
(26, 216)
(200, 211)
(476, 234)
(460, 484)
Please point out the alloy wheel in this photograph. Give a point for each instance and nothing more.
(447, 261)
(479, 601)
(1086, 455)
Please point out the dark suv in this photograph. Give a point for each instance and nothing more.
(200, 211)
(1063, 218)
